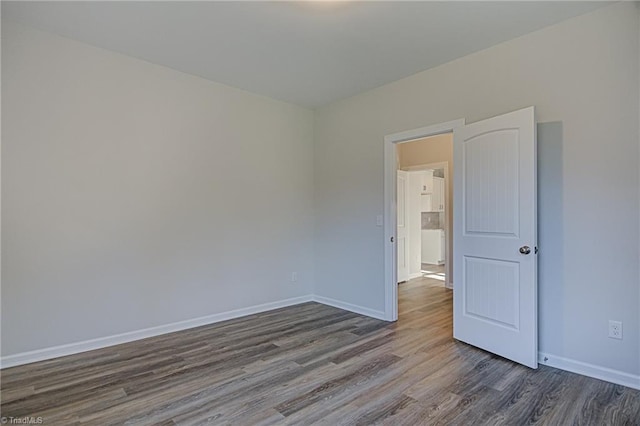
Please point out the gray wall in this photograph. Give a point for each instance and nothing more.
(136, 196)
(583, 73)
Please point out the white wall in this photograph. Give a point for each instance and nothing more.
(583, 72)
(136, 196)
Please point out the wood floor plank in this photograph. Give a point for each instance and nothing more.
(312, 364)
(424, 413)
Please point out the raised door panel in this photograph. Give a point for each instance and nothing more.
(491, 184)
(402, 231)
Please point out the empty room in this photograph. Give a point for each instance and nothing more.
(320, 212)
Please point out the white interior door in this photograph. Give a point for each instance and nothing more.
(495, 236)
(403, 242)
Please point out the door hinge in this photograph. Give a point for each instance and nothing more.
(535, 250)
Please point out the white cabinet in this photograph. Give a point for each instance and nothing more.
(437, 197)
(432, 192)
(425, 202)
(427, 182)
(433, 246)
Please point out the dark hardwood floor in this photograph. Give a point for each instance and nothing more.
(312, 364)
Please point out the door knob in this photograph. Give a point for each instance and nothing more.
(525, 250)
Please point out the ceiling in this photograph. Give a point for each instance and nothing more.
(309, 53)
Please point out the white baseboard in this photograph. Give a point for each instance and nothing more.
(415, 275)
(350, 307)
(102, 342)
(595, 371)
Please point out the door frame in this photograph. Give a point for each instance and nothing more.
(447, 225)
(390, 206)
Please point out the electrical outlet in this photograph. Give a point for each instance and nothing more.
(294, 277)
(615, 329)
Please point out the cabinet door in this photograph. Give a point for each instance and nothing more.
(441, 190)
(430, 246)
(427, 182)
(435, 197)
(425, 203)
(437, 204)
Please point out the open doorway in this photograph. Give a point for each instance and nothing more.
(423, 206)
(424, 216)
(412, 159)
